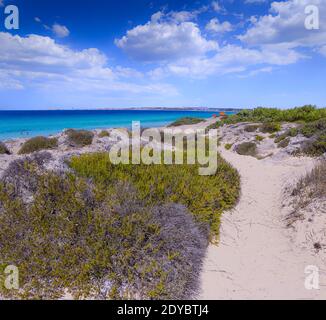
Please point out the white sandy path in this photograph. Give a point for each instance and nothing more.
(255, 258)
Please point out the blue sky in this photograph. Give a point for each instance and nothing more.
(142, 53)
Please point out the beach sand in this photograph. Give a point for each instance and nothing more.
(256, 257)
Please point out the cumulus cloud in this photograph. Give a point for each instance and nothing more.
(230, 59)
(41, 62)
(286, 24)
(60, 30)
(43, 53)
(215, 26)
(165, 39)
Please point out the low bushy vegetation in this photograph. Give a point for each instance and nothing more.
(21, 177)
(37, 144)
(251, 128)
(75, 239)
(259, 138)
(104, 134)
(284, 143)
(315, 132)
(228, 146)
(109, 231)
(247, 149)
(206, 197)
(3, 148)
(312, 186)
(270, 127)
(186, 121)
(79, 138)
(307, 113)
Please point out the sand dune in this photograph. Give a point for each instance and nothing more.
(256, 258)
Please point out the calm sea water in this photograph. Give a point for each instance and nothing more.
(18, 124)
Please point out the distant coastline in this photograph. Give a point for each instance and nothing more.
(202, 109)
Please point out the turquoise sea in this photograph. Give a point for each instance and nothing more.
(22, 124)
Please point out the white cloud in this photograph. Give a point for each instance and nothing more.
(60, 30)
(43, 53)
(40, 62)
(163, 39)
(37, 19)
(286, 24)
(256, 72)
(215, 26)
(230, 59)
(216, 6)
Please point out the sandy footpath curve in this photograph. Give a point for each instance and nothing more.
(256, 258)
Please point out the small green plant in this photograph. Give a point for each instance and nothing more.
(228, 146)
(251, 128)
(37, 144)
(4, 149)
(186, 121)
(310, 189)
(272, 136)
(259, 138)
(104, 134)
(284, 143)
(79, 138)
(270, 127)
(247, 149)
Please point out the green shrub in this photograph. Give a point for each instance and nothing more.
(270, 127)
(4, 149)
(186, 121)
(314, 147)
(311, 187)
(247, 149)
(272, 136)
(228, 146)
(316, 133)
(284, 143)
(22, 175)
(104, 134)
(38, 144)
(75, 239)
(259, 138)
(79, 138)
(206, 197)
(313, 128)
(281, 137)
(251, 128)
(301, 114)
